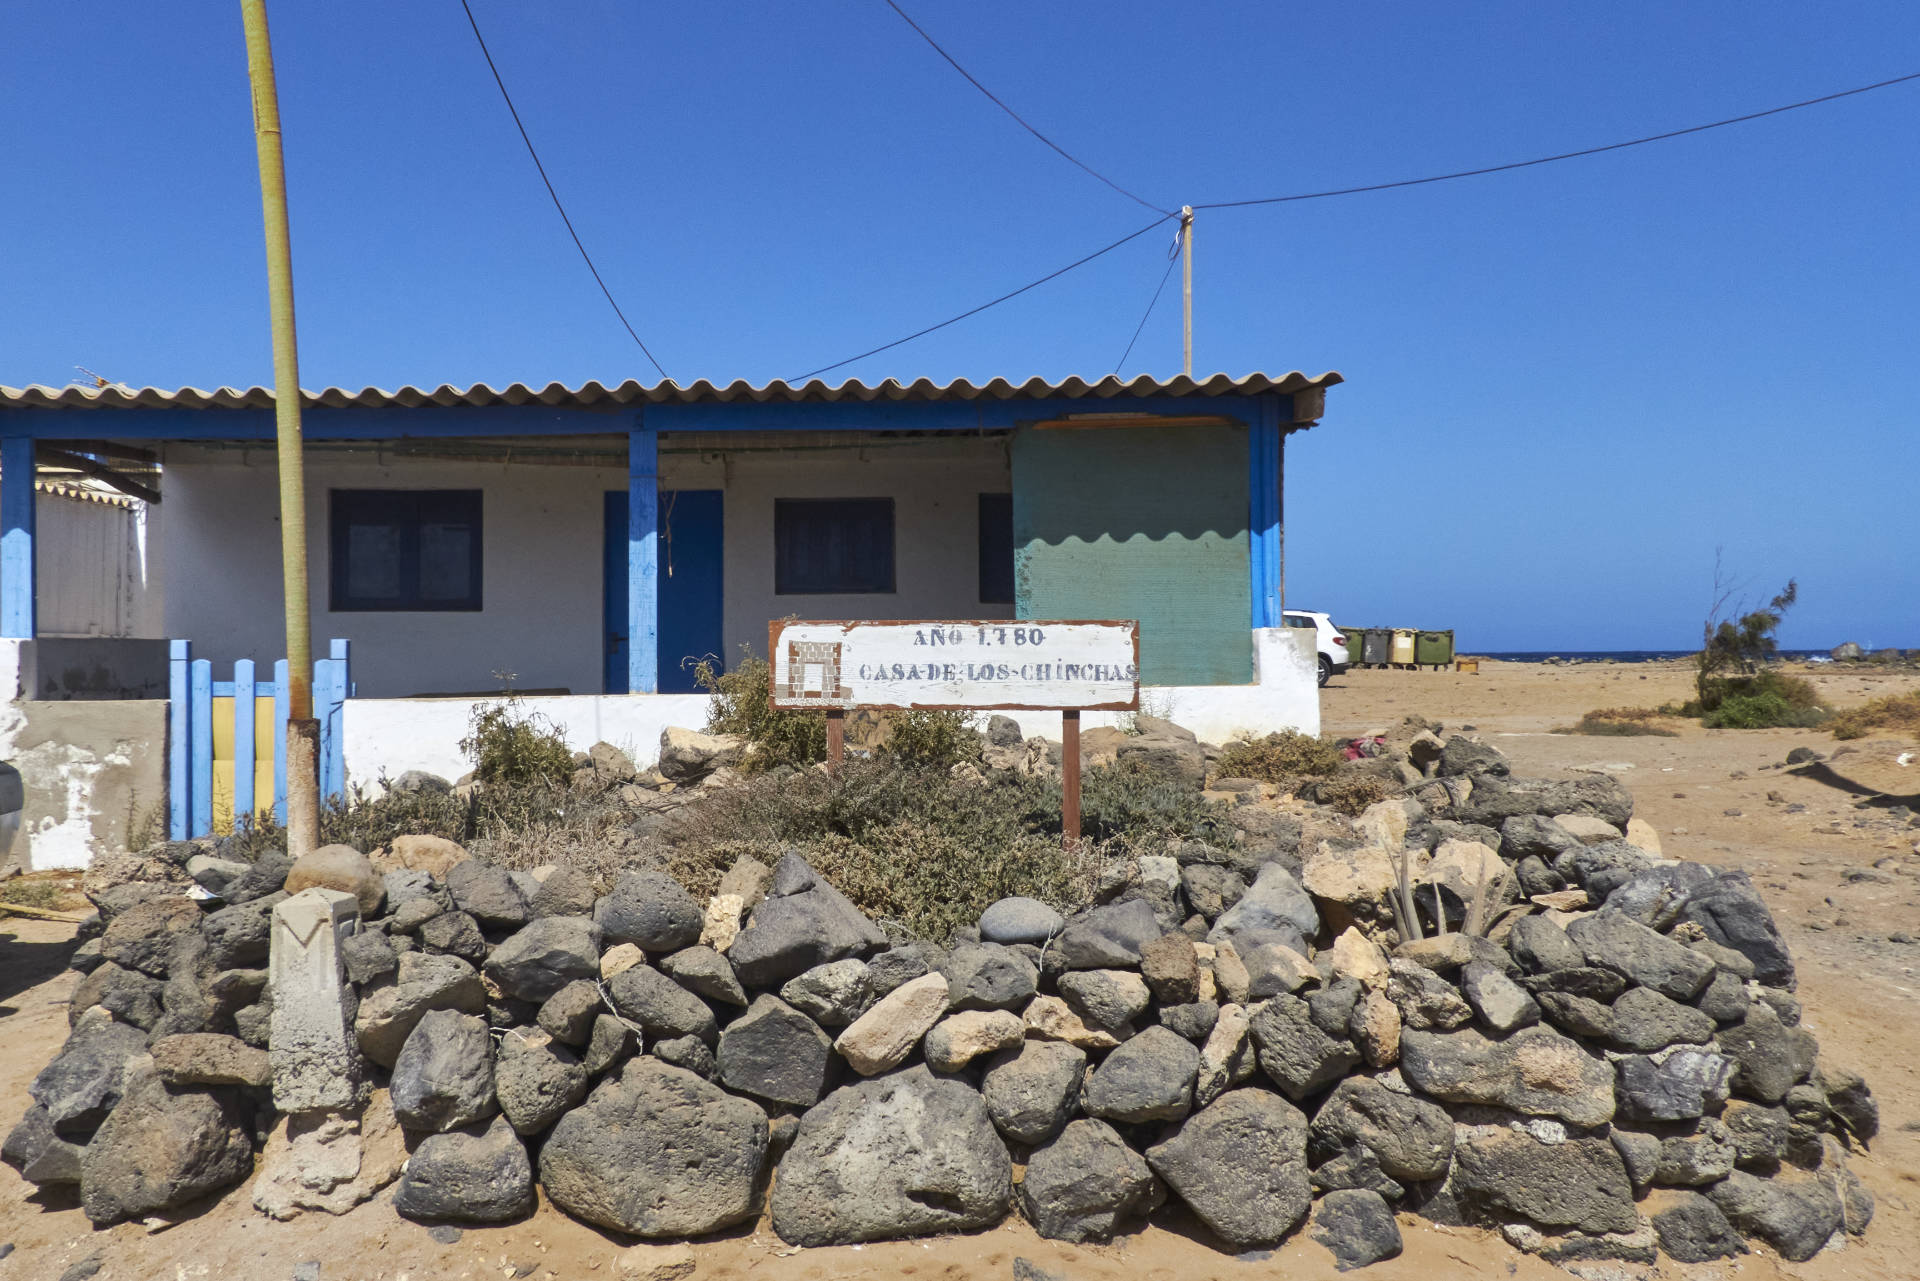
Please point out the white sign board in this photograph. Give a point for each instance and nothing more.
(1028, 665)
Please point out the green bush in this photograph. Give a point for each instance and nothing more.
(1278, 758)
(740, 706)
(1765, 709)
(508, 744)
(931, 740)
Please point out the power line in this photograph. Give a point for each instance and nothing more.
(921, 333)
(1173, 260)
(584, 255)
(1565, 155)
(1062, 151)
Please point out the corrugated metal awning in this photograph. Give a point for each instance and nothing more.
(591, 395)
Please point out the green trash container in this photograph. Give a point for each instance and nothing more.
(1353, 635)
(1433, 649)
(1376, 646)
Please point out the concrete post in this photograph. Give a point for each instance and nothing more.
(316, 1063)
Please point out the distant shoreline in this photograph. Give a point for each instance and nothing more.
(1624, 655)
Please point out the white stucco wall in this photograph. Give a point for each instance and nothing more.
(387, 737)
(543, 537)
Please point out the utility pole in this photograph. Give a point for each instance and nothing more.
(1186, 287)
(303, 731)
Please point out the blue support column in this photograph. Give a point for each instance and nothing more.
(282, 713)
(179, 740)
(16, 538)
(643, 528)
(200, 695)
(243, 753)
(329, 704)
(1263, 513)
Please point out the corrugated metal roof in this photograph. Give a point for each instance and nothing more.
(593, 394)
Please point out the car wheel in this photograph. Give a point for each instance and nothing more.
(1326, 669)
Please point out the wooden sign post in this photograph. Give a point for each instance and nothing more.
(971, 665)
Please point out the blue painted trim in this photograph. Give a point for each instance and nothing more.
(16, 538)
(643, 561)
(282, 713)
(243, 753)
(179, 742)
(200, 695)
(330, 696)
(389, 423)
(1263, 513)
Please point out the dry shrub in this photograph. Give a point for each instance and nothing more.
(1351, 791)
(1621, 722)
(740, 706)
(1278, 758)
(508, 744)
(1894, 712)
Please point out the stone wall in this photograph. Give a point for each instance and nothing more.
(1609, 1064)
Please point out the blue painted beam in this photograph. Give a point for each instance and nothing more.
(179, 740)
(16, 538)
(390, 423)
(643, 556)
(243, 753)
(1263, 513)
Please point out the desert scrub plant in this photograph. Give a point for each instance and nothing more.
(511, 745)
(1895, 712)
(1621, 722)
(931, 739)
(1766, 700)
(740, 706)
(1350, 791)
(1282, 757)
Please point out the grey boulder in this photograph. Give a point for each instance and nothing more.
(904, 1154)
(790, 933)
(705, 973)
(1692, 1230)
(1645, 1021)
(1275, 901)
(1732, 914)
(1295, 1053)
(1676, 1084)
(989, 976)
(86, 1079)
(443, 1078)
(1019, 920)
(1084, 1184)
(660, 1005)
(568, 1015)
(1107, 999)
(776, 1053)
(488, 894)
(1536, 1071)
(1240, 1163)
(1148, 1078)
(388, 1014)
(476, 1174)
(832, 995)
(1644, 956)
(1794, 1216)
(1031, 1091)
(650, 909)
(1107, 937)
(657, 1152)
(1409, 1138)
(162, 1148)
(1501, 1004)
(536, 1079)
(1580, 1183)
(545, 956)
(1357, 1227)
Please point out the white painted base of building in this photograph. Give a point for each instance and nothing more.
(385, 737)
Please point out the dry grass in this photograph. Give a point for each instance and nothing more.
(1282, 758)
(1894, 712)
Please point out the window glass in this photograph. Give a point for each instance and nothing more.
(996, 549)
(405, 549)
(832, 546)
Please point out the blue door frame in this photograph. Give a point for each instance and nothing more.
(688, 547)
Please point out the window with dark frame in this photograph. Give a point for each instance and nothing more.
(996, 549)
(404, 550)
(832, 546)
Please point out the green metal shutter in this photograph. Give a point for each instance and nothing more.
(1140, 522)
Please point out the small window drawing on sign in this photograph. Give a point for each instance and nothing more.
(813, 671)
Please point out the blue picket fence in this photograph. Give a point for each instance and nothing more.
(190, 735)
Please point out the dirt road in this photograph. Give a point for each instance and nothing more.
(1844, 882)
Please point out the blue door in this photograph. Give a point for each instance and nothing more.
(689, 551)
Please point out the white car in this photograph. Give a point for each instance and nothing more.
(1328, 640)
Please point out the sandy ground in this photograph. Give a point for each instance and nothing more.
(1844, 882)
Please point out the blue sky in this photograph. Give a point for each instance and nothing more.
(1567, 386)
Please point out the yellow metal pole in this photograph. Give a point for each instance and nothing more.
(1186, 288)
(303, 731)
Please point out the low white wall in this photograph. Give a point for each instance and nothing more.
(387, 737)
